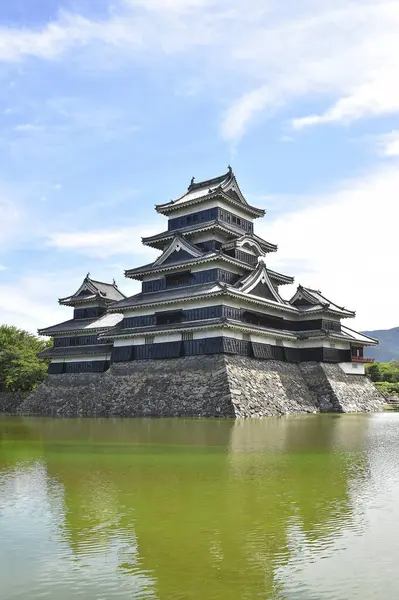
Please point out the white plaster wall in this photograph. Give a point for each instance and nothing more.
(315, 316)
(312, 343)
(353, 368)
(212, 333)
(169, 337)
(136, 341)
(289, 344)
(82, 358)
(262, 339)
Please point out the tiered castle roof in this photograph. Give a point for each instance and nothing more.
(224, 187)
(209, 291)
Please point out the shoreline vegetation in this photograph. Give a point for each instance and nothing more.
(20, 368)
(385, 376)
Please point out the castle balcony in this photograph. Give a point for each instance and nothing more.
(362, 359)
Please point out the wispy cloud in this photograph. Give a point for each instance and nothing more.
(104, 243)
(388, 144)
(27, 128)
(13, 214)
(30, 300)
(345, 52)
(344, 243)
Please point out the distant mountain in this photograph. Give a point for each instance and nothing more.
(389, 345)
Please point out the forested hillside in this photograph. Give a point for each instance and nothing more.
(389, 344)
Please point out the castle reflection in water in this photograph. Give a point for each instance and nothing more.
(174, 509)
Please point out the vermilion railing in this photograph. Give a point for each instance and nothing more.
(362, 359)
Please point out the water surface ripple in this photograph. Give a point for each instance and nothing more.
(297, 508)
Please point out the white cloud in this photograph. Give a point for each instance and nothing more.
(344, 243)
(13, 215)
(2, 268)
(345, 52)
(389, 144)
(27, 128)
(169, 5)
(102, 243)
(30, 301)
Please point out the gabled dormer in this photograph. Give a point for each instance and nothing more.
(92, 298)
(259, 283)
(308, 300)
(178, 250)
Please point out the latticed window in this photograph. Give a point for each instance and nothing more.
(149, 339)
(187, 336)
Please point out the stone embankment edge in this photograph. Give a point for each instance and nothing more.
(10, 402)
(204, 386)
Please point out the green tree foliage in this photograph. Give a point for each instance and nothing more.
(20, 368)
(386, 376)
(373, 371)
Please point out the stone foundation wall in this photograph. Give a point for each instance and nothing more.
(261, 388)
(204, 386)
(11, 401)
(338, 392)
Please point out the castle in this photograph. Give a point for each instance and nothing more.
(210, 294)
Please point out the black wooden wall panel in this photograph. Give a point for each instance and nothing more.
(292, 355)
(81, 340)
(95, 366)
(89, 313)
(311, 354)
(173, 280)
(56, 368)
(122, 353)
(210, 214)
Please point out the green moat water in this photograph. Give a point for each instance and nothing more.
(300, 508)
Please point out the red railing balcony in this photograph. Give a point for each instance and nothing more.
(362, 359)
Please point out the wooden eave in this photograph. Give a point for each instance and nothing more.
(158, 241)
(138, 274)
(223, 291)
(48, 333)
(220, 323)
(77, 301)
(325, 304)
(78, 351)
(280, 278)
(168, 208)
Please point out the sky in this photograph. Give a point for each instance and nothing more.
(110, 107)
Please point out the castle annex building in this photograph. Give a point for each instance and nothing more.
(209, 292)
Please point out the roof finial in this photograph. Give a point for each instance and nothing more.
(192, 181)
(230, 169)
(114, 282)
(87, 276)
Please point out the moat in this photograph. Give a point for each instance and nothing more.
(292, 508)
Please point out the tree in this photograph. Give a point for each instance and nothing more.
(373, 371)
(20, 368)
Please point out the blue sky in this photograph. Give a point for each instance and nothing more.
(107, 108)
